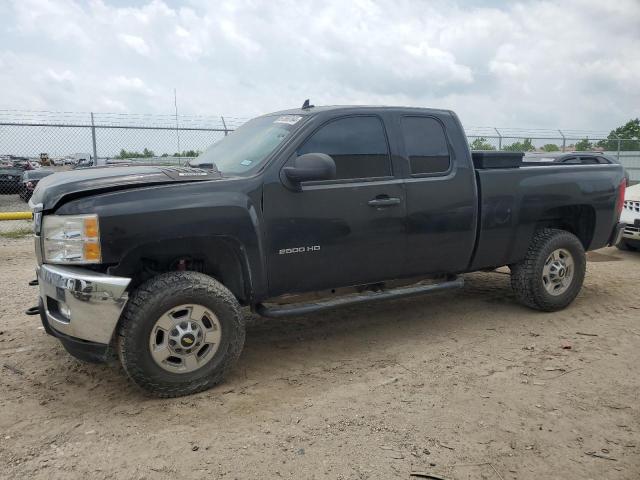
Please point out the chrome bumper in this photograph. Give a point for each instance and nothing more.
(81, 303)
(631, 232)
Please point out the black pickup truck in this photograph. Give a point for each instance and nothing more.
(352, 204)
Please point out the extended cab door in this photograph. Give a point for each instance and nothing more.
(441, 194)
(341, 232)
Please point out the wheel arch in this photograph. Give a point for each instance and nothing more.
(220, 257)
(579, 220)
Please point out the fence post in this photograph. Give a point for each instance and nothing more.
(93, 139)
(619, 145)
(564, 140)
(224, 124)
(499, 139)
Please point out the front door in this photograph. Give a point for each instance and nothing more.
(341, 232)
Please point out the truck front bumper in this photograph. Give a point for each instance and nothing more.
(80, 305)
(631, 216)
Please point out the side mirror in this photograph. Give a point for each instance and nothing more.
(310, 167)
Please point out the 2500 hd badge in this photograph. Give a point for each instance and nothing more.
(287, 251)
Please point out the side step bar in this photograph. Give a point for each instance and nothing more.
(401, 292)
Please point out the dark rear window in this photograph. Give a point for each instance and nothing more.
(426, 145)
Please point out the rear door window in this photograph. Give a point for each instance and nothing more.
(358, 145)
(426, 145)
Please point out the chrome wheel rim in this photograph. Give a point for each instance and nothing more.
(558, 271)
(185, 338)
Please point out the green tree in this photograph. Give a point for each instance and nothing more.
(187, 153)
(524, 146)
(480, 143)
(146, 153)
(551, 147)
(629, 133)
(583, 145)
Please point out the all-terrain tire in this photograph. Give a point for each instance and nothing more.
(527, 275)
(154, 298)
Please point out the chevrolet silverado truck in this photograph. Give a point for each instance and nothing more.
(296, 212)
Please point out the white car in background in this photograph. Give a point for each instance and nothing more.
(631, 216)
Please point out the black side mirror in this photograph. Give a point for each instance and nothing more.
(310, 167)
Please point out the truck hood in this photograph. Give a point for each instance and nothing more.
(53, 189)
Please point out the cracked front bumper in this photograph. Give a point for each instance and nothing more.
(80, 303)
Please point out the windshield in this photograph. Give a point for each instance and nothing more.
(247, 147)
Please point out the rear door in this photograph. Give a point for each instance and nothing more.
(441, 196)
(341, 232)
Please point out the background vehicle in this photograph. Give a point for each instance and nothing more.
(10, 179)
(631, 217)
(80, 164)
(30, 179)
(78, 157)
(575, 158)
(353, 203)
(22, 163)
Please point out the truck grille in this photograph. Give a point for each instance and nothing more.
(632, 205)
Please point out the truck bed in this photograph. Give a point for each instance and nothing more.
(512, 202)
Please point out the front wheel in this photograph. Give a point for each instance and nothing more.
(180, 334)
(550, 276)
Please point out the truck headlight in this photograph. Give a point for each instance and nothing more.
(71, 239)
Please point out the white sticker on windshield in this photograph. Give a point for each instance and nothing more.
(246, 163)
(288, 119)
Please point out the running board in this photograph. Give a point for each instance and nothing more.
(401, 292)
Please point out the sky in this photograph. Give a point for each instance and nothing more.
(572, 64)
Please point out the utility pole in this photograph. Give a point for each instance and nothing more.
(93, 139)
(175, 104)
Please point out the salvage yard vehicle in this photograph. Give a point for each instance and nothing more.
(580, 158)
(354, 204)
(10, 179)
(30, 179)
(631, 218)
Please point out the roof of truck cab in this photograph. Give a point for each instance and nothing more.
(351, 108)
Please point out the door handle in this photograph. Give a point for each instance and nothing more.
(384, 202)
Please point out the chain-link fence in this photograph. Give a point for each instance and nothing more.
(549, 144)
(34, 144)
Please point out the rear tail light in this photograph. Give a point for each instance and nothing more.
(620, 203)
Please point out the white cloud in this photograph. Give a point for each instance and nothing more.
(137, 44)
(60, 77)
(568, 64)
(128, 84)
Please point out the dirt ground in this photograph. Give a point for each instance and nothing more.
(463, 385)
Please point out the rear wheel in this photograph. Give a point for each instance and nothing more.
(552, 273)
(180, 333)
